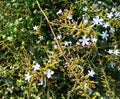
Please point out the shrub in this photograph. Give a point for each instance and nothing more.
(64, 49)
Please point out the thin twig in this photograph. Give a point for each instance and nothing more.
(52, 31)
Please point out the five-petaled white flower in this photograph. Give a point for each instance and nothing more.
(116, 51)
(105, 25)
(104, 35)
(35, 27)
(112, 64)
(110, 51)
(55, 46)
(91, 73)
(67, 43)
(109, 15)
(97, 20)
(49, 73)
(27, 77)
(84, 40)
(94, 40)
(36, 66)
(70, 16)
(59, 12)
(59, 37)
(85, 9)
(40, 37)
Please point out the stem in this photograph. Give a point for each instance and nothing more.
(61, 50)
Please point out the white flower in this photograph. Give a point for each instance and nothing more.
(69, 16)
(35, 27)
(59, 12)
(105, 25)
(36, 66)
(27, 77)
(97, 20)
(110, 15)
(55, 46)
(59, 37)
(85, 21)
(84, 40)
(91, 73)
(116, 52)
(110, 51)
(94, 40)
(117, 14)
(85, 9)
(49, 73)
(11, 67)
(9, 38)
(40, 37)
(112, 64)
(112, 29)
(67, 43)
(105, 35)
(113, 10)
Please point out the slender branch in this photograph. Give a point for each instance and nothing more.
(52, 31)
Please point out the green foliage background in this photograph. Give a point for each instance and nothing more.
(20, 46)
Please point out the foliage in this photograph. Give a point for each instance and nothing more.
(64, 49)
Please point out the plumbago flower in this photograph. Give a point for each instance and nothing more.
(35, 27)
(27, 77)
(59, 37)
(105, 25)
(91, 73)
(70, 16)
(59, 12)
(112, 64)
(84, 40)
(109, 15)
(94, 40)
(36, 66)
(97, 21)
(49, 73)
(105, 35)
(115, 51)
(67, 43)
(40, 37)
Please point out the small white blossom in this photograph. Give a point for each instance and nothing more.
(109, 15)
(97, 20)
(112, 64)
(85, 21)
(112, 29)
(67, 43)
(55, 46)
(27, 77)
(91, 73)
(105, 35)
(40, 37)
(113, 10)
(117, 14)
(94, 40)
(116, 52)
(110, 51)
(59, 37)
(70, 16)
(84, 40)
(105, 25)
(59, 12)
(85, 9)
(35, 27)
(49, 73)
(36, 66)
(11, 67)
